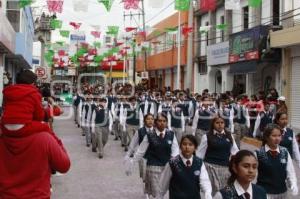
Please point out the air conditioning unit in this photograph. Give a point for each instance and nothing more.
(108, 40)
(145, 75)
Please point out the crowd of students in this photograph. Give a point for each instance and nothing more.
(161, 132)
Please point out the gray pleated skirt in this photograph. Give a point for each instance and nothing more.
(278, 196)
(218, 176)
(153, 174)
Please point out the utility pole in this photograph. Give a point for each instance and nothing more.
(189, 66)
(139, 14)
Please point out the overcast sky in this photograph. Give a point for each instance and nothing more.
(97, 15)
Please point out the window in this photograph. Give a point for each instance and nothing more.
(13, 14)
(222, 20)
(246, 17)
(276, 5)
(207, 24)
(202, 65)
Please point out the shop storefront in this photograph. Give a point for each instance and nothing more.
(255, 67)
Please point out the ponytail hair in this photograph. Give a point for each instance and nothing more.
(234, 161)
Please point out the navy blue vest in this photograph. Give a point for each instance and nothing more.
(159, 150)
(102, 117)
(141, 133)
(205, 117)
(77, 100)
(133, 116)
(176, 117)
(184, 107)
(266, 118)
(184, 183)
(229, 192)
(225, 114)
(239, 116)
(166, 109)
(218, 150)
(86, 107)
(272, 171)
(287, 140)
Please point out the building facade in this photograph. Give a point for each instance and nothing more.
(162, 61)
(289, 41)
(250, 67)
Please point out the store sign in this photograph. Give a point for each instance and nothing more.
(247, 45)
(218, 54)
(77, 37)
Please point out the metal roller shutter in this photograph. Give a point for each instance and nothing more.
(295, 93)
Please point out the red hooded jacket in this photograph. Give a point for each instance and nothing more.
(22, 104)
(28, 156)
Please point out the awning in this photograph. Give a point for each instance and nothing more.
(19, 61)
(116, 74)
(243, 67)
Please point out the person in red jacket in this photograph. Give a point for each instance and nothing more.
(28, 155)
(29, 150)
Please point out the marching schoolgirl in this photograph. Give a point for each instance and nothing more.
(160, 146)
(215, 149)
(243, 169)
(100, 126)
(185, 174)
(264, 118)
(133, 118)
(289, 140)
(275, 168)
(137, 140)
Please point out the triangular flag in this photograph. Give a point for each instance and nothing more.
(171, 31)
(55, 5)
(207, 5)
(232, 4)
(204, 29)
(131, 4)
(254, 3)
(186, 30)
(75, 25)
(222, 26)
(182, 5)
(113, 30)
(97, 44)
(156, 33)
(142, 34)
(129, 29)
(107, 3)
(80, 5)
(145, 44)
(61, 53)
(64, 33)
(61, 43)
(156, 3)
(24, 3)
(96, 34)
(55, 24)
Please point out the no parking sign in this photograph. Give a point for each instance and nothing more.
(41, 72)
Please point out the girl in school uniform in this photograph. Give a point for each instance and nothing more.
(160, 146)
(185, 174)
(289, 140)
(137, 140)
(276, 172)
(243, 170)
(215, 149)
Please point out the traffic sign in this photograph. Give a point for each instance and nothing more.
(40, 72)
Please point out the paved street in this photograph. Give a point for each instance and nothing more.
(92, 178)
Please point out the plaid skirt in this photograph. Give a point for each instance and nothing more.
(218, 176)
(153, 174)
(142, 168)
(278, 196)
